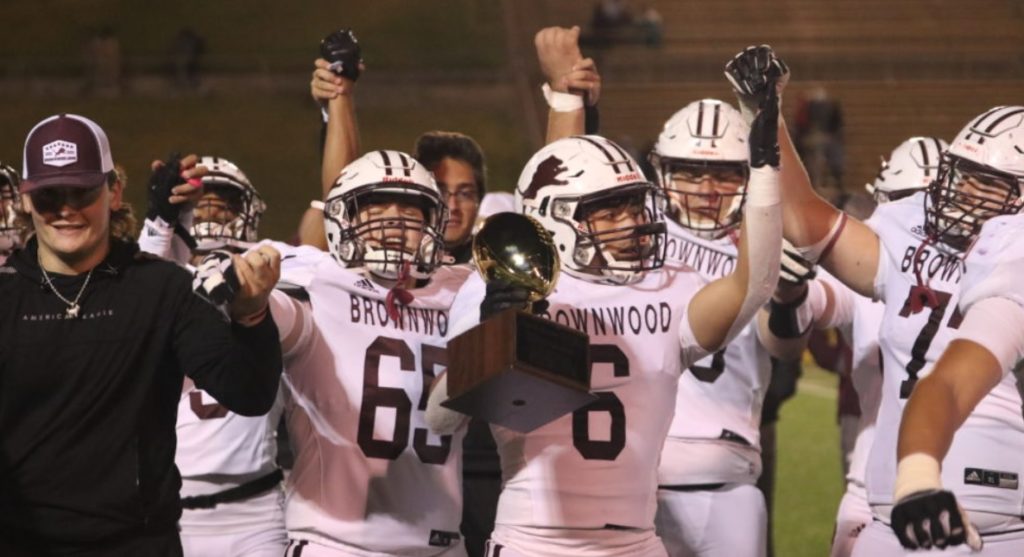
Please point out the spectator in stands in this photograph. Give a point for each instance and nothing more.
(819, 139)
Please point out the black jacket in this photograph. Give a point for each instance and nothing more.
(88, 405)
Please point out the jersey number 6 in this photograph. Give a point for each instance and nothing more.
(608, 402)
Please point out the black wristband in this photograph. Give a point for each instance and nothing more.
(782, 317)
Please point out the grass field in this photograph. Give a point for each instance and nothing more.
(809, 482)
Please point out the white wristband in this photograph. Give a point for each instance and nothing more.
(561, 102)
(914, 473)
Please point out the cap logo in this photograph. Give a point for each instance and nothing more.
(60, 153)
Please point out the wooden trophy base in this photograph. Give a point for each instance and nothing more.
(518, 371)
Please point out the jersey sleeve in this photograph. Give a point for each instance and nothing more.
(465, 312)
(997, 324)
(995, 264)
(690, 351)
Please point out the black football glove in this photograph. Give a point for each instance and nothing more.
(341, 49)
(216, 281)
(750, 72)
(795, 269)
(502, 295)
(161, 181)
(932, 518)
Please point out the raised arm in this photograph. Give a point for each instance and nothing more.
(571, 81)
(333, 86)
(822, 233)
(721, 309)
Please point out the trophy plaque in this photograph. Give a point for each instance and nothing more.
(515, 369)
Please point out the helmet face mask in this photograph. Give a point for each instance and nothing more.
(705, 197)
(393, 229)
(965, 196)
(10, 206)
(701, 159)
(606, 220)
(981, 176)
(228, 214)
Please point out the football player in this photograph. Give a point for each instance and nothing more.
(231, 495)
(910, 257)
(982, 359)
(585, 483)
(10, 206)
(800, 305)
(363, 334)
(708, 503)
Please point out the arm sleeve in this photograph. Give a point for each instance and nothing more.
(763, 218)
(997, 324)
(239, 366)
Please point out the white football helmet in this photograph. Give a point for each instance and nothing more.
(706, 139)
(10, 206)
(567, 181)
(236, 223)
(911, 168)
(379, 243)
(980, 177)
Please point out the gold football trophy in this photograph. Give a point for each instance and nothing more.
(515, 369)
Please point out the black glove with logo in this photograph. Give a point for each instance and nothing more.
(341, 49)
(932, 518)
(502, 295)
(161, 182)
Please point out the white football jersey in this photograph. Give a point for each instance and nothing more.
(860, 327)
(369, 477)
(715, 435)
(984, 463)
(214, 442)
(597, 466)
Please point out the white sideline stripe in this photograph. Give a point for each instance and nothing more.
(814, 389)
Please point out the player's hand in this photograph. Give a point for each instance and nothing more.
(342, 52)
(326, 85)
(502, 295)
(173, 184)
(796, 270)
(753, 73)
(563, 65)
(258, 272)
(933, 518)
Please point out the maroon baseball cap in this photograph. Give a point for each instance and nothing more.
(66, 150)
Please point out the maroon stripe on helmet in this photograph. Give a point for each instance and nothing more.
(611, 159)
(387, 162)
(405, 164)
(999, 120)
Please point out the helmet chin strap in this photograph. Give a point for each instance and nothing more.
(398, 294)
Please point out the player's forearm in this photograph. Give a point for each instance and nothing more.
(723, 308)
(341, 146)
(565, 124)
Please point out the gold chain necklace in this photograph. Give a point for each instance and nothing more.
(73, 307)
